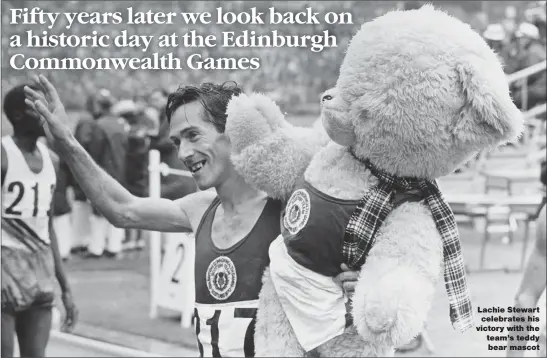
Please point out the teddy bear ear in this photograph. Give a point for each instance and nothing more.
(489, 116)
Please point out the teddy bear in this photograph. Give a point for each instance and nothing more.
(419, 93)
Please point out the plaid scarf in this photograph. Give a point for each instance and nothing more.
(371, 212)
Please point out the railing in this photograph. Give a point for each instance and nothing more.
(536, 111)
(532, 70)
(522, 76)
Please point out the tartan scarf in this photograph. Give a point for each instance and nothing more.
(371, 212)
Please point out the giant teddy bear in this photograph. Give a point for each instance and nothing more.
(419, 93)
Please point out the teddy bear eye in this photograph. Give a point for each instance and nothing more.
(327, 97)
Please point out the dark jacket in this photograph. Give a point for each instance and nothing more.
(136, 165)
(87, 134)
(112, 137)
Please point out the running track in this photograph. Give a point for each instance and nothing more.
(67, 345)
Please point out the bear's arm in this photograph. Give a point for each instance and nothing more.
(396, 285)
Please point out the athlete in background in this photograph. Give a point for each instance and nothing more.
(30, 256)
(234, 223)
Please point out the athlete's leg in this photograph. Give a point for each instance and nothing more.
(33, 327)
(8, 334)
(64, 234)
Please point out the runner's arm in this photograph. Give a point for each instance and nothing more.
(108, 196)
(115, 202)
(59, 269)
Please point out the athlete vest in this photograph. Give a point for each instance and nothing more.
(306, 257)
(26, 198)
(228, 283)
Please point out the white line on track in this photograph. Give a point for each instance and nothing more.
(108, 348)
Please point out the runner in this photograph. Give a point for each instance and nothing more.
(30, 253)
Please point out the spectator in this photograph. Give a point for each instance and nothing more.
(536, 15)
(136, 163)
(112, 131)
(86, 132)
(531, 51)
(496, 38)
(158, 99)
(156, 102)
(138, 143)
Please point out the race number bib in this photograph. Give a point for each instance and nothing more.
(27, 199)
(226, 330)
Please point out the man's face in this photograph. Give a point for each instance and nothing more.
(204, 151)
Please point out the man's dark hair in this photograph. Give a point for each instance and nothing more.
(214, 99)
(14, 102)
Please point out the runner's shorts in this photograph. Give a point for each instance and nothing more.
(28, 278)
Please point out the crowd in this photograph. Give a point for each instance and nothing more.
(521, 46)
(292, 75)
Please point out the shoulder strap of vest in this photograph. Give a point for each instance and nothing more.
(206, 214)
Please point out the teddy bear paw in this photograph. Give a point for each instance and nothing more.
(380, 315)
(377, 322)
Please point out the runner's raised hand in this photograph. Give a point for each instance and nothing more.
(49, 106)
